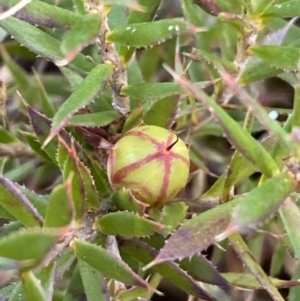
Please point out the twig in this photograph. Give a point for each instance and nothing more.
(110, 55)
(16, 150)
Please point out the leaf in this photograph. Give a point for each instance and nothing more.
(41, 126)
(80, 36)
(146, 34)
(123, 200)
(286, 9)
(201, 231)
(75, 287)
(248, 281)
(83, 189)
(260, 203)
(283, 57)
(107, 263)
(17, 204)
(168, 270)
(290, 214)
(32, 287)
(145, 92)
(6, 136)
(172, 215)
(138, 17)
(237, 136)
(201, 55)
(29, 245)
(94, 284)
(163, 112)
(134, 119)
(85, 93)
(127, 224)
(36, 146)
(98, 119)
(60, 210)
(203, 270)
(41, 43)
(42, 13)
(256, 70)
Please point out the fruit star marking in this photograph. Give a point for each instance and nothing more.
(150, 161)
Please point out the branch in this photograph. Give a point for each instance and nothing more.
(16, 150)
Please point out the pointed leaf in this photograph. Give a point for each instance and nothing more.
(248, 281)
(284, 57)
(163, 112)
(30, 244)
(94, 283)
(60, 210)
(17, 204)
(81, 35)
(107, 263)
(287, 9)
(146, 34)
(42, 13)
(75, 287)
(127, 224)
(290, 216)
(261, 203)
(168, 270)
(201, 231)
(41, 43)
(138, 17)
(237, 136)
(98, 119)
(32, 287)
(85, 93)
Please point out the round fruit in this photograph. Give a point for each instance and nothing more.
(151, 162)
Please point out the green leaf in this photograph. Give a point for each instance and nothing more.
(75, 287)
(127, 224)
(84, 94)
(283, 9)
(168, 270)
(42, 13)
(83, 189)
(139, 17)
(107, 263)
(123, 201)
(60, 210)
(39, 201)
(93, 282)
(283, 57)
(172, 215)
(145, 92)
(17, 204)
(81, 35)
(256, 70)
(29, 245)
(36, 146)
(146, 34)
(290, 216)
(241, 213)
(248, 281)
(98, 119)
(41, 43)
(237, 136)
(99, 175)
(201, 55)
(6, 136)
(32, 287)
(163, 112)
(134, 119)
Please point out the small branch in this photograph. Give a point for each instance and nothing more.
(110, 55)
(16, 150)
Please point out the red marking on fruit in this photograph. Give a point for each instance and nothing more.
(123, 172)
(178, 156)
(143, 136)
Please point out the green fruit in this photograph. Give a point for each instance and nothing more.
(151, 162)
